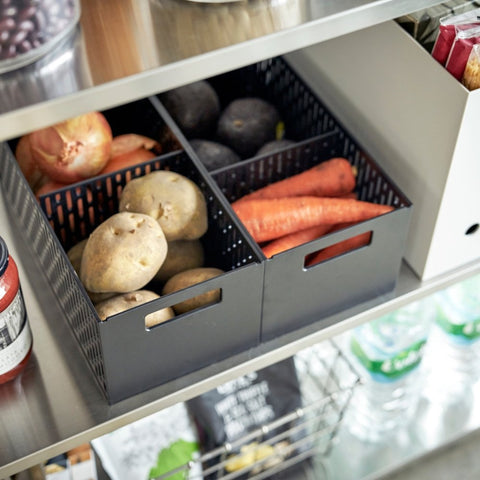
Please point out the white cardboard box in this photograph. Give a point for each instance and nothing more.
(422, 126)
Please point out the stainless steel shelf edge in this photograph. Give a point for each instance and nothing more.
(69, 81)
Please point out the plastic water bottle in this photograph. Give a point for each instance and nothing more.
(387, 353)
(452, 357)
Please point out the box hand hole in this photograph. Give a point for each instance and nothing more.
(193, 304)
(336, 249)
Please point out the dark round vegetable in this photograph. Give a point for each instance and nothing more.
(194, 107)
(213, 154)
(246, 124)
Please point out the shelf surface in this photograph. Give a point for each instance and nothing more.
(122, 51)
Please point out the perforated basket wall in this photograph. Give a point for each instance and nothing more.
(55, 264)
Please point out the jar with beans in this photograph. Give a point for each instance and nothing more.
(31, 28)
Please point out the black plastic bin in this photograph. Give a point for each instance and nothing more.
(125, 357)
(295, 295)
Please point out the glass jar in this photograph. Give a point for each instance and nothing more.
(31, 28)
(15, 334)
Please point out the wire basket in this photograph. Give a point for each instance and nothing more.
(327, 381)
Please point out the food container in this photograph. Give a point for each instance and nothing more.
(15, 333)
(125, 357)
(423, 24)
(295, 296)
(29, 29)
(422, 122)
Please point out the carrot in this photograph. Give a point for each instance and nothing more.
(353, 195)
(330, 178)
(341, 247)
(295, 239)
(267, 219)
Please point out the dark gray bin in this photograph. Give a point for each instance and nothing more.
(295, 296)
(125, 358)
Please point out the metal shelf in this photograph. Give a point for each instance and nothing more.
(122, 51)
(148, 47)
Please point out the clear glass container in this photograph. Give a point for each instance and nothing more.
(31, 28)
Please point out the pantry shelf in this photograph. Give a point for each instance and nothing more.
(56, 404)
(151, 46)
(122, 51)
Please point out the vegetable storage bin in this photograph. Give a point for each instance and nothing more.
(421, 121)
(125, 357)
(295, 295)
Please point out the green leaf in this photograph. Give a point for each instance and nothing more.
(177, 454)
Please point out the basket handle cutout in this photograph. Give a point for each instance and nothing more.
(339, 248)
(185, 307)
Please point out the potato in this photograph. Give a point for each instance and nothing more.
(75, 256)
(123, 254)
(173, 200)
(100, 297)
(125, 301)
(182, 255)
(190, 277)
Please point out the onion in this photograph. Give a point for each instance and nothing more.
(73, 150)
(128, 160)
(27, 164)
(129, 142)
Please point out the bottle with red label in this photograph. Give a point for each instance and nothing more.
(15, 333)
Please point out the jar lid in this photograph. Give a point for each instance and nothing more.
(3, 256)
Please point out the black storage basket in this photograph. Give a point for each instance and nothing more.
(124, 356)
(294, 295)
